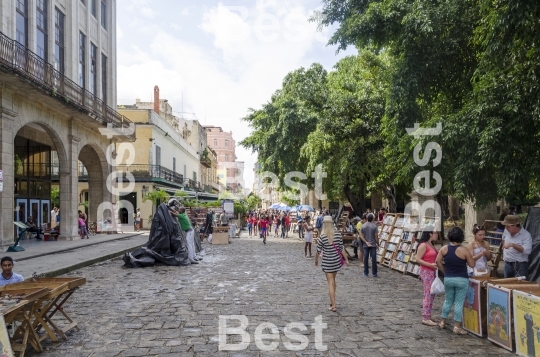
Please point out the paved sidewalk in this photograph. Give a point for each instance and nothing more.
(52, 258)
(174, 311)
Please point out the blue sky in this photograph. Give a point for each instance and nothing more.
(221, 57)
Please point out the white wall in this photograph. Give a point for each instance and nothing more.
(173, 145)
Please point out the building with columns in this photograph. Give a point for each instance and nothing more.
(57, 94)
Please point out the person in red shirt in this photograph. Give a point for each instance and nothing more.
(255, 225)
(264, 227)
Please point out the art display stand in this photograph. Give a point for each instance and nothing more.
(386, 249)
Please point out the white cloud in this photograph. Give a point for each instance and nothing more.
(220, 83)
(148, 12)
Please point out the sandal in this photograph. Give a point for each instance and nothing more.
(333, 309)
(460, 331)
(442, 325)
(429, 323)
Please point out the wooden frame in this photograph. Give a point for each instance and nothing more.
(526, 322)
(499, 316)
(472, 309)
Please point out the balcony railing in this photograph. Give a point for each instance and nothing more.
(16, 58)
(148, 172)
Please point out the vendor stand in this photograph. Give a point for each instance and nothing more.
(24, 306)
(61, 290)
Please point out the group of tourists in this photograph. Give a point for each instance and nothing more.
(457, 262)
(462, 262)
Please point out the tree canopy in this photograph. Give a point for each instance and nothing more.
(473, 66)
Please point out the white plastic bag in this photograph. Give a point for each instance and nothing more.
(437, 287)
(210, 238)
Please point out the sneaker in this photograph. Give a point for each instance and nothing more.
(366, 275)
(375, 275)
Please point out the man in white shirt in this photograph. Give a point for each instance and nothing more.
(8, 276)
(517, 247)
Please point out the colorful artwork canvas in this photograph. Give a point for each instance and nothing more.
(472, 314)
(527, 324)
(5, 345)
(498, 316)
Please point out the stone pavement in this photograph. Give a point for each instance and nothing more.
(174, 311)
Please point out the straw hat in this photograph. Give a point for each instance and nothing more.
(511, 220)
(328, 219)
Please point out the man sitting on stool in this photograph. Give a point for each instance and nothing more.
(517, 247)
(33, 228)
(8, 276)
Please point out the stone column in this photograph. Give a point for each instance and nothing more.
(7, 203)
(473, 216)
(69, 189)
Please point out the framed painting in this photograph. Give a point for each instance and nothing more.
(527, 323)
(472, 312)
(499, 316)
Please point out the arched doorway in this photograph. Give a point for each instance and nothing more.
(35, 174)
(93, 169)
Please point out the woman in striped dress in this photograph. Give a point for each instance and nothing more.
(330, 248)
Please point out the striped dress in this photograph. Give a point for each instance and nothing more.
(330, 260)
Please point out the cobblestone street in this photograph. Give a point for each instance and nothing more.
(174, 311)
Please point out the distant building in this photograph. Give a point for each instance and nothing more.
(230, 171)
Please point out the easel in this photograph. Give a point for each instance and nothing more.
(16, 247)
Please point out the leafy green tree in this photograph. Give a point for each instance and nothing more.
(281, 127)
(155, 197)
(348, 141)
(253, 201)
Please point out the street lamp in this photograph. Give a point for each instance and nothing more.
(143, 190)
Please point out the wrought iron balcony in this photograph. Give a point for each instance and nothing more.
(19, 60)
(149, 172)
(205, 161)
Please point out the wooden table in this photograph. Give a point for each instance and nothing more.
(22, 312)
(60, 290)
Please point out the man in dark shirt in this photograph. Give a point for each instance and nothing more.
(369, 234)
(33, 227)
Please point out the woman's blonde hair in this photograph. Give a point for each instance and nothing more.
(328, 231)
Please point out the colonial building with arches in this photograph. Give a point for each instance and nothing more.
(57, 94)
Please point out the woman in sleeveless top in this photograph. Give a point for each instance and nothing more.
(330, 249)
(456, 279)
(308, 236)
(425, 256)
(479, 250)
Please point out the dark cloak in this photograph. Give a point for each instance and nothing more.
(166, 244)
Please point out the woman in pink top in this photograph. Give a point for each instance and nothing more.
(425, 256)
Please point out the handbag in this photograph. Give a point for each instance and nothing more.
(437, 287)
(341, 260)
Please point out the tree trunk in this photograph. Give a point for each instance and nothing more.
(389, 192)
(453, 208)
(356, 199)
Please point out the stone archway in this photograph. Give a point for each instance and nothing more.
(94, 160)
(39, 132)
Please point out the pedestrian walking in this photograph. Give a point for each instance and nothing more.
(283, 225)
(332, 252)
(277, 222)
(425, 256)
(456, 279)
(82, 226)
(250, 225)
(264, 226)
(287, 225)
(138, 220)
(308, 236)
(369, 234)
